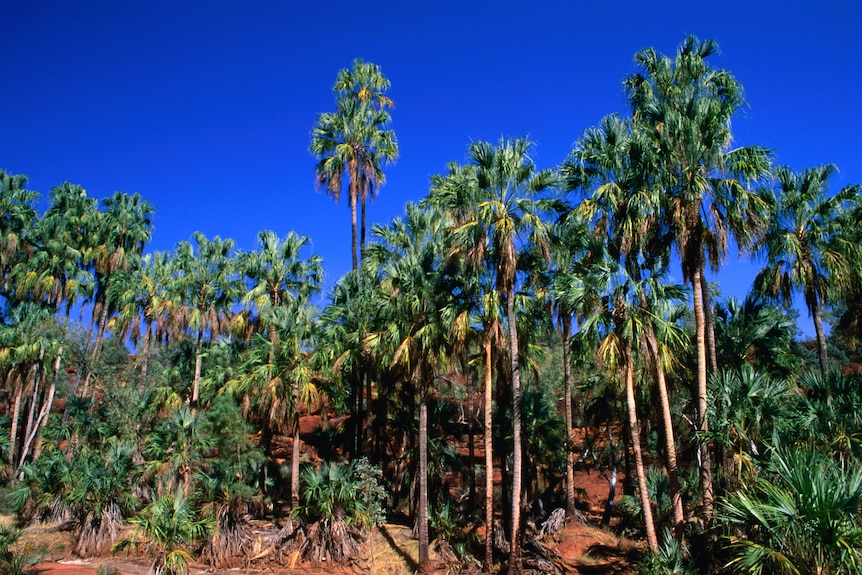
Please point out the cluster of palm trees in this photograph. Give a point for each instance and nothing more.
(458, 307)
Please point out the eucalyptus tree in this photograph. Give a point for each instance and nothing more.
(804, 247)
(684, 108)
(411, 296)
(145, 302)
(612, 166)
(208, 287)
(354, 141)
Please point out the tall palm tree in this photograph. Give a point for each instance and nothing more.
(684, 107)
(279, 279)
(208, 284)
(613, 164)
(354, 141)
(804, 247)
(122, 231)
(53, 273)
(17, 219)
(145, 302)
(508, 214)
(366, 84)
(467, 253)
(410, 297)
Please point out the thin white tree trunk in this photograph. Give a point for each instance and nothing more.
(489, 453)
(43, 413)
(515, 542)
(567, 396)
(703, 423)
(634, 432)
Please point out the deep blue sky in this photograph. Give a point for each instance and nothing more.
(206, 107)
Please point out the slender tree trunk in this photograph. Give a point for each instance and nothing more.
(703, 423)
(489, 452)
(821, 338)
(634, 432)
(16, 411)
(423, 481)
(43, 413)
(37, 444)
(196, 383)
(362, 229)
(517, 471)
(710, 325)
(294, 460)
(471, 437)
(670, 443)
(612, 488)
(567, 396)
(97, 346)
(34, 401)
(145, 357)
(353, 246)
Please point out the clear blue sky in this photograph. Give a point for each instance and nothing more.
(206, 107)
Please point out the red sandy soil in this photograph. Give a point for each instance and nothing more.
(583, 549)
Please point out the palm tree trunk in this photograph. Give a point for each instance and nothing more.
(145, 357)
(294, 463)
(634, 432)
(362, 228)
(34, 401)
(567, 396)
(16, 411)
(821, 338)
(710, 325)
(670, 443)
(37, 444)
(423, 481)
(515, 555)
(97, 345)
(489, 452)
(43, 413)
(196, 383)
(353, 230)
(703, 423)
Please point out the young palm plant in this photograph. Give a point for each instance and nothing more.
(801, 517)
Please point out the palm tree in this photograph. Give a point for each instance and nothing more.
(121, 233)
(410, 298)
(616, 323)
(505, 211)
(803, 246)
(17, 219)
(466, 252)
(684, 108)
(208, 285)
(354, 141)
(145, 303)
(801, 517)
(280, 280)
(622, 209)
